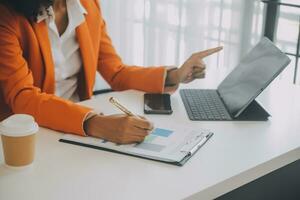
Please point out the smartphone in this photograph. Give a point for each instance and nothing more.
(157, 104)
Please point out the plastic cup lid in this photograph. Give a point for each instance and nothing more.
(18, 125)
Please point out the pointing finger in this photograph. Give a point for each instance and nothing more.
(208, 52)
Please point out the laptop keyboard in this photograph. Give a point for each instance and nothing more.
(204, 105)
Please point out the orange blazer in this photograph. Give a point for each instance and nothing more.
(27, 71)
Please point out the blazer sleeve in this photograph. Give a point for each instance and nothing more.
(123, 77)
(20, 94)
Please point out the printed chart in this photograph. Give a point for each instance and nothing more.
(155, 141)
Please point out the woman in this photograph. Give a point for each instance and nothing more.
(50, 51)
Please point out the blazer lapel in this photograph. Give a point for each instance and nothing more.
(41, 31)
(88, 57)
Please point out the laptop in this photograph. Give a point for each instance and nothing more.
(234, 99)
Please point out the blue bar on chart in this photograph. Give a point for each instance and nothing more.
(162, 132)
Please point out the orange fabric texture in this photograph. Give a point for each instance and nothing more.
(27, 79)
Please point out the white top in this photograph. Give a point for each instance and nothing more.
(65, 49)
(18, 125)
(238, 153)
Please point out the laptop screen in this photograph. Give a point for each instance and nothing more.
(254, 73)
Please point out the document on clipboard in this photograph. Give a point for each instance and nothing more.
(174, 146)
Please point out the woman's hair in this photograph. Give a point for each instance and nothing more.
(28, 8)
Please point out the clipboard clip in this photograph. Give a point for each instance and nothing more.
(190, 148)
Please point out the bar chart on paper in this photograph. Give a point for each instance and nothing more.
(156, 141)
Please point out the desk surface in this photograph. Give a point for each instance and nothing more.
(238, 153)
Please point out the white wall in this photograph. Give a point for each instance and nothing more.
(167, 32)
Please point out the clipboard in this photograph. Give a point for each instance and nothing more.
(185, 149)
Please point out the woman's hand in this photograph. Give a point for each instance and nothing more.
(193, 68)
(120, 129)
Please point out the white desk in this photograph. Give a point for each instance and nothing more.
(238, 153)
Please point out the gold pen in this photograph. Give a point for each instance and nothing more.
(121, 107)
(115, 102)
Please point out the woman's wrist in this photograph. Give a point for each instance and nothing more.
(172, 78)
(87, 123)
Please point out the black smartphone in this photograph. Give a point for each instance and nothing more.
(157, 104)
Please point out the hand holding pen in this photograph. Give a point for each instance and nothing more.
(121, 129)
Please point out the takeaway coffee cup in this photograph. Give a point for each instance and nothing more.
(18, 139)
